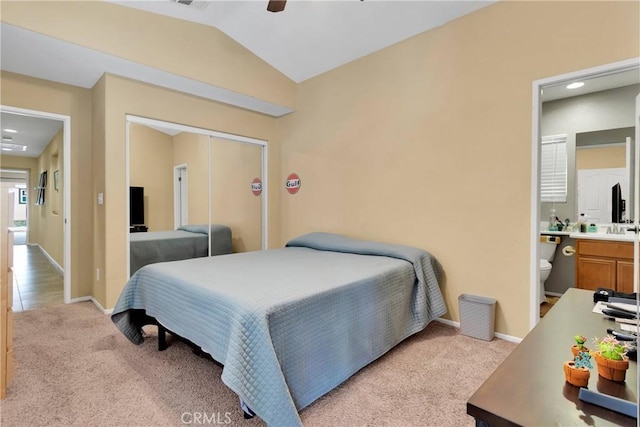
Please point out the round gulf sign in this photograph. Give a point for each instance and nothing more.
(293, 183)
(256, 186)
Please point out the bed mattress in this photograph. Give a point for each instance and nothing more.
(289, 324)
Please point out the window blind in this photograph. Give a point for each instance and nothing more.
(553, 168)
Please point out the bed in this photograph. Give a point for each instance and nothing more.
(188, 241)
(290, 324)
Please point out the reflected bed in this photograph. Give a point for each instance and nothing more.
(189, 241)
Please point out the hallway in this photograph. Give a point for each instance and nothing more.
(37, 283)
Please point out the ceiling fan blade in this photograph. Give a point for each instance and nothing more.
(276, 5)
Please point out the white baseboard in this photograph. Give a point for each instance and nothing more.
(94, 301)
(553, 294)
(505, 337)
(51, 260)
(100, 307)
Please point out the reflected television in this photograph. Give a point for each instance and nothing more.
(617, 204)
(136, 205)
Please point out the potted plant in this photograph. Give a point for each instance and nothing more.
(576, 371)
(579, 345)
(611, 358)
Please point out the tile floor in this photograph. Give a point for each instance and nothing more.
(37, 283)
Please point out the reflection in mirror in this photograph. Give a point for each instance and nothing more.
(597, 125)
(603, 159)
(153, 156)
(234, 166)
(198, 198)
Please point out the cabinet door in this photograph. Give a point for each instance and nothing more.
(596, 273)
(625, 276)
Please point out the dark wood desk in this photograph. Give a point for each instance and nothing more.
(529, 389)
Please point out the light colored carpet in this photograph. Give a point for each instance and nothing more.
(74, 368)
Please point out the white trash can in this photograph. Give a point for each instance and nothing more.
(477, 316)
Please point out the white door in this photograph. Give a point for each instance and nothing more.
(636, 193)
(181, 196)
(594, 192)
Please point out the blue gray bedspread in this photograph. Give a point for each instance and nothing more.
(289, 324)
(189, 241)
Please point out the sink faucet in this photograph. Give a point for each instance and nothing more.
(615, 229)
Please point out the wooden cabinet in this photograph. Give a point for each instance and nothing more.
(604, 264)
(624, 274)
(6, 299)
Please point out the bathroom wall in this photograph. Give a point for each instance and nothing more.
(610, 109)
(563, 270)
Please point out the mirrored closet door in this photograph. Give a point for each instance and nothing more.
(192, 192)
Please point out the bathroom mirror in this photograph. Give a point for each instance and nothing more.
(599, 122)
(191, 179)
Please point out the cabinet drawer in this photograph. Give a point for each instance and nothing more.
(606, 249)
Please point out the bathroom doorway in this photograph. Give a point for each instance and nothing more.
(606, 73)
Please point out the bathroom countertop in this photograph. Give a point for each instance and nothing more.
(555, 233)
(604, 236)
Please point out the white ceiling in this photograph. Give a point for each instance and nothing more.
(311, 37)
(306, 39)
(34, 133)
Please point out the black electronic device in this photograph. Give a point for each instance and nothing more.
(619, 314)
(632, 352)
(603, 294)
(136, 205)
(621, 335)
(617, 204)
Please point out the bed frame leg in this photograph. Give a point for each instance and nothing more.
(162, 338)
(248, 413)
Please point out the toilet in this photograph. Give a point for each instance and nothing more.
(548, 245)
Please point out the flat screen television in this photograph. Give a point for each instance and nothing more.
(136, 205)
(617, 204)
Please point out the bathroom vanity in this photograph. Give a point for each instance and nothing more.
(604, 261)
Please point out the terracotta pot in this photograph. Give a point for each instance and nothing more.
(576, 376)
(614, 370)
(575, 351)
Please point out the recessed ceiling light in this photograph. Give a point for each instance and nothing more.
(10, 130)
(7, 138)
(12, 147)
(575, 85)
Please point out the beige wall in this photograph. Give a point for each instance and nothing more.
(98, 167)
(199, 52)
(40, 95)
(192, 150)
(428, 142)
(49, 229)
(123, 96)
(233, 167)
(601, 157)
(151, 167)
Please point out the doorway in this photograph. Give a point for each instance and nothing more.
(629, 67)
(40, 143)
(181, 196)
